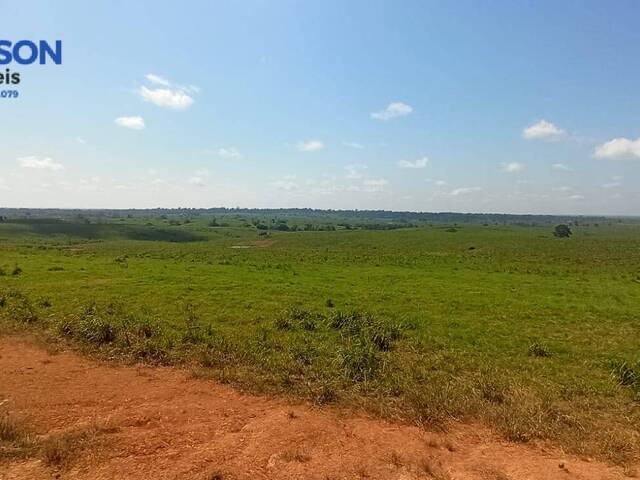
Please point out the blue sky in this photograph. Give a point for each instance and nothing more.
(485, 106)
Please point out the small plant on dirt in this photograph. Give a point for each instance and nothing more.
(16, 271)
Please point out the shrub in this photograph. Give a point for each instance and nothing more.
(562, 231)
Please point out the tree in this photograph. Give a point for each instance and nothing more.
(562, 231)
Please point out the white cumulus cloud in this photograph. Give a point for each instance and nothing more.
(543, 130)
(135, 123)
(619, 148)
(166, 97)
(513, 167)
(419, 163)
(40, 163)
(310, 145)
(393, 110)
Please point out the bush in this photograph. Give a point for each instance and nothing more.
(562, 231)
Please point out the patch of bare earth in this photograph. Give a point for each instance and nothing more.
(161, 423)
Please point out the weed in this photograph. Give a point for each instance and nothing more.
(537, 349)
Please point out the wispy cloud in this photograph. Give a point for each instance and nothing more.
(40, 163)
(229, 152)
(197, 181)
(464, 191)
(356, 145)
(355, 171)
(310, 145)
(561, 167)
(393, 110)
(157, 79)
(419, 163)
(619, 148)
(543, 130)
(374, 185)
(513, 167)
(134, 123)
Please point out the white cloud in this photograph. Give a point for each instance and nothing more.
(561, 167)
(81, 140)
(513, 167)
(135, 123)
(393, 110)
(419, 163)
(157, 79)
(543, 130)
(374, 185)
(577, 197)
(356, 145)
(355, 171)
(563, 188)
(440, 183)
(166, 97)
(310, 146)
(611, 185)
(38, 163)
(287, 184)
(619, 148)
(464, 191)
(197, 181)
(231, 152)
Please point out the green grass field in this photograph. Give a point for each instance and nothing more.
(508, 325)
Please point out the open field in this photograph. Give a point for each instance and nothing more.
(486, 321)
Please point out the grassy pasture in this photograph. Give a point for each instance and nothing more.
(536, 335)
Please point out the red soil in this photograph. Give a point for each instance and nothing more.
(160, 423)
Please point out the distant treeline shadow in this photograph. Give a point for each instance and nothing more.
(94, 231)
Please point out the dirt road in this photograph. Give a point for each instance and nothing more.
(160, 423)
